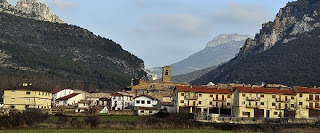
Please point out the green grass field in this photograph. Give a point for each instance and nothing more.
(115, 131)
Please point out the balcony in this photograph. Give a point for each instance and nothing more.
(282, 100)
(253, 98)
(252, 106)
(279, 107)
(311, 99)
(190, 97)
(222, 100)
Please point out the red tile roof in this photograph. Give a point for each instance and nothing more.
(203, 90)
(265, 90)
(308, 90)
(57, 90)
(68, 96)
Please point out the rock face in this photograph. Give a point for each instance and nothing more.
(30, 9)
(285, 51)
(289, 21)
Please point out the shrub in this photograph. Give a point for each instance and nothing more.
(92, 121)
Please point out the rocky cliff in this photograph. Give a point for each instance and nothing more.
(30, 9)
(284, 51)
(295, 18)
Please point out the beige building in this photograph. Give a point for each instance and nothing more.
(263, 102)
(203, 99)
(25, 97)
(307, 102)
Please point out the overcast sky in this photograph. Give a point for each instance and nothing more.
(162, 32)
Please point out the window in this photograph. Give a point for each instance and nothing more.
(317, 97)
(148, 102)
(182, 94)
(273, 96)
(12, 99)
(12, 107)
(199, 102)
(142, 102)
(246, 113)
(167, 72)
(28, 92)
(292, 98)
(300, 103)
(228, 104)
(39, 93)
(142, 111)
(317, 105)
(42, 93)
(300, 95)
(150, 112)
(262, 103)
(181, 101)
(210, 103)
(261, 95)
(292, 105)
(27, 100)
(13, 92)
(211, 95)
(27, 106)
(138, 101)
(243, 95)
(200, 95)
(273, 104)
(243, 102)
(275, 113)
(229, 96)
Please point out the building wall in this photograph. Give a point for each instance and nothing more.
(121, 102)
(60, 94)
(142, 101)
(202, 101)
(147, 112)
(22, 99)
(275, 104)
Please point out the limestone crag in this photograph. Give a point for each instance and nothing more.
(226, 38)
(288, 22)
(30, 9)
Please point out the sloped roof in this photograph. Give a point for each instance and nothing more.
(56, 91)
(308, 90)
(99, 95)
(265, 90)
(203, 90)
(68, 96)
(151, 97)
(31, 88)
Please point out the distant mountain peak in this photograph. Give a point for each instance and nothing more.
(226, 38)
(30, 9)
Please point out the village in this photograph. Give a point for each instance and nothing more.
(211, 103)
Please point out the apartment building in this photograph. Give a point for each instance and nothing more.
(25, 97)
(308, 102)
(263, 102)
(203, 99)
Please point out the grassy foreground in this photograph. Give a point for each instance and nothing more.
(115, 131)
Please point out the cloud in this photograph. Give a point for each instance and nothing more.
(62, 4)
(239, 14)
(177, 24)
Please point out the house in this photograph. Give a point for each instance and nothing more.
(27, 96)
(58, 93)
(263, 102)
(100, 99)
(307, 102)
(84, 105)
(212, 100)
(121, 100)
(71, 99)
(146, 105)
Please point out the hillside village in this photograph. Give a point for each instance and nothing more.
(208, 102)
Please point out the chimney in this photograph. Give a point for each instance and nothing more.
(251, 86)
(190, 86)
(218, 87)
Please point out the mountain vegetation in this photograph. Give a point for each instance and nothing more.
(192, 75)
(53, 55)
(285, 51)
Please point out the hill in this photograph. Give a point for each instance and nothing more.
(285, 51)
(53, 55)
